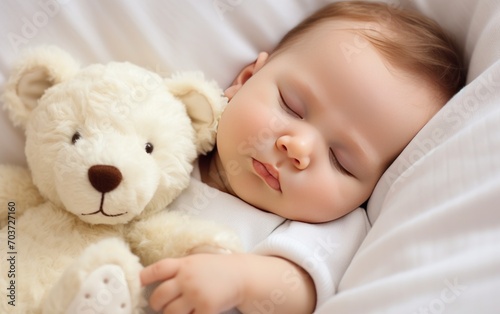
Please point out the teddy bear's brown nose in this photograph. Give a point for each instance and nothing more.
(104, 178)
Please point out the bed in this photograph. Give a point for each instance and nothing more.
(434, 244)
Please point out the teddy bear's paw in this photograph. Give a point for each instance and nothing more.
(104, 291)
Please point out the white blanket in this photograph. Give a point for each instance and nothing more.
(435, 242)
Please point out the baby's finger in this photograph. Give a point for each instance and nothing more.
(159, 271)
(179, 306)
(167, 292)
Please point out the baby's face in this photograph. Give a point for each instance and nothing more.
(309, 134)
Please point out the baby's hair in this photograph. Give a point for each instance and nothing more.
(406, 39)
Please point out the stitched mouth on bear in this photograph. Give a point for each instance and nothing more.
(104, 178)
(101, 210)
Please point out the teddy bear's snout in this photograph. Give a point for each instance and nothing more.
(104, 178)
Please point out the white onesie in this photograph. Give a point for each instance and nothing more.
(323, 250)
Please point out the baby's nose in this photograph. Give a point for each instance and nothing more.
(104, 178)
(298, 149)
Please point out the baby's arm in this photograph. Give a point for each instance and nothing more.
(212, 283)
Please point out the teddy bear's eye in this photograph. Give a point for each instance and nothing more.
(149, 148)
(75, 137)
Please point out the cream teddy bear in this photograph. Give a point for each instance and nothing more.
(108, 148)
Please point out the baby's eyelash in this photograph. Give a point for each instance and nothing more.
(337, 164)
(287, 108)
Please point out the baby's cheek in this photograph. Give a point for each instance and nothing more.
(329, 196)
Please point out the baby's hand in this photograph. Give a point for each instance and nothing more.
(200, 283)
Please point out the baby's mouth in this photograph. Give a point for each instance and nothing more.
(268, 173)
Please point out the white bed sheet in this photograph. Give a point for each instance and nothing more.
(434, 245)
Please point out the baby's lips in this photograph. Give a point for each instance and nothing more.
(268, 173)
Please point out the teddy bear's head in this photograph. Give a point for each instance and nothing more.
(109, 142)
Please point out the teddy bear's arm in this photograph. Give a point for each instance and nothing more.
(169, 234)
(17, 192)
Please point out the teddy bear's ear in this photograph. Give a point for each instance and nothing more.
(36, 71)
(204, 102)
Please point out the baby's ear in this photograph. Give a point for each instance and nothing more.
(204, 101)
(36, 71)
